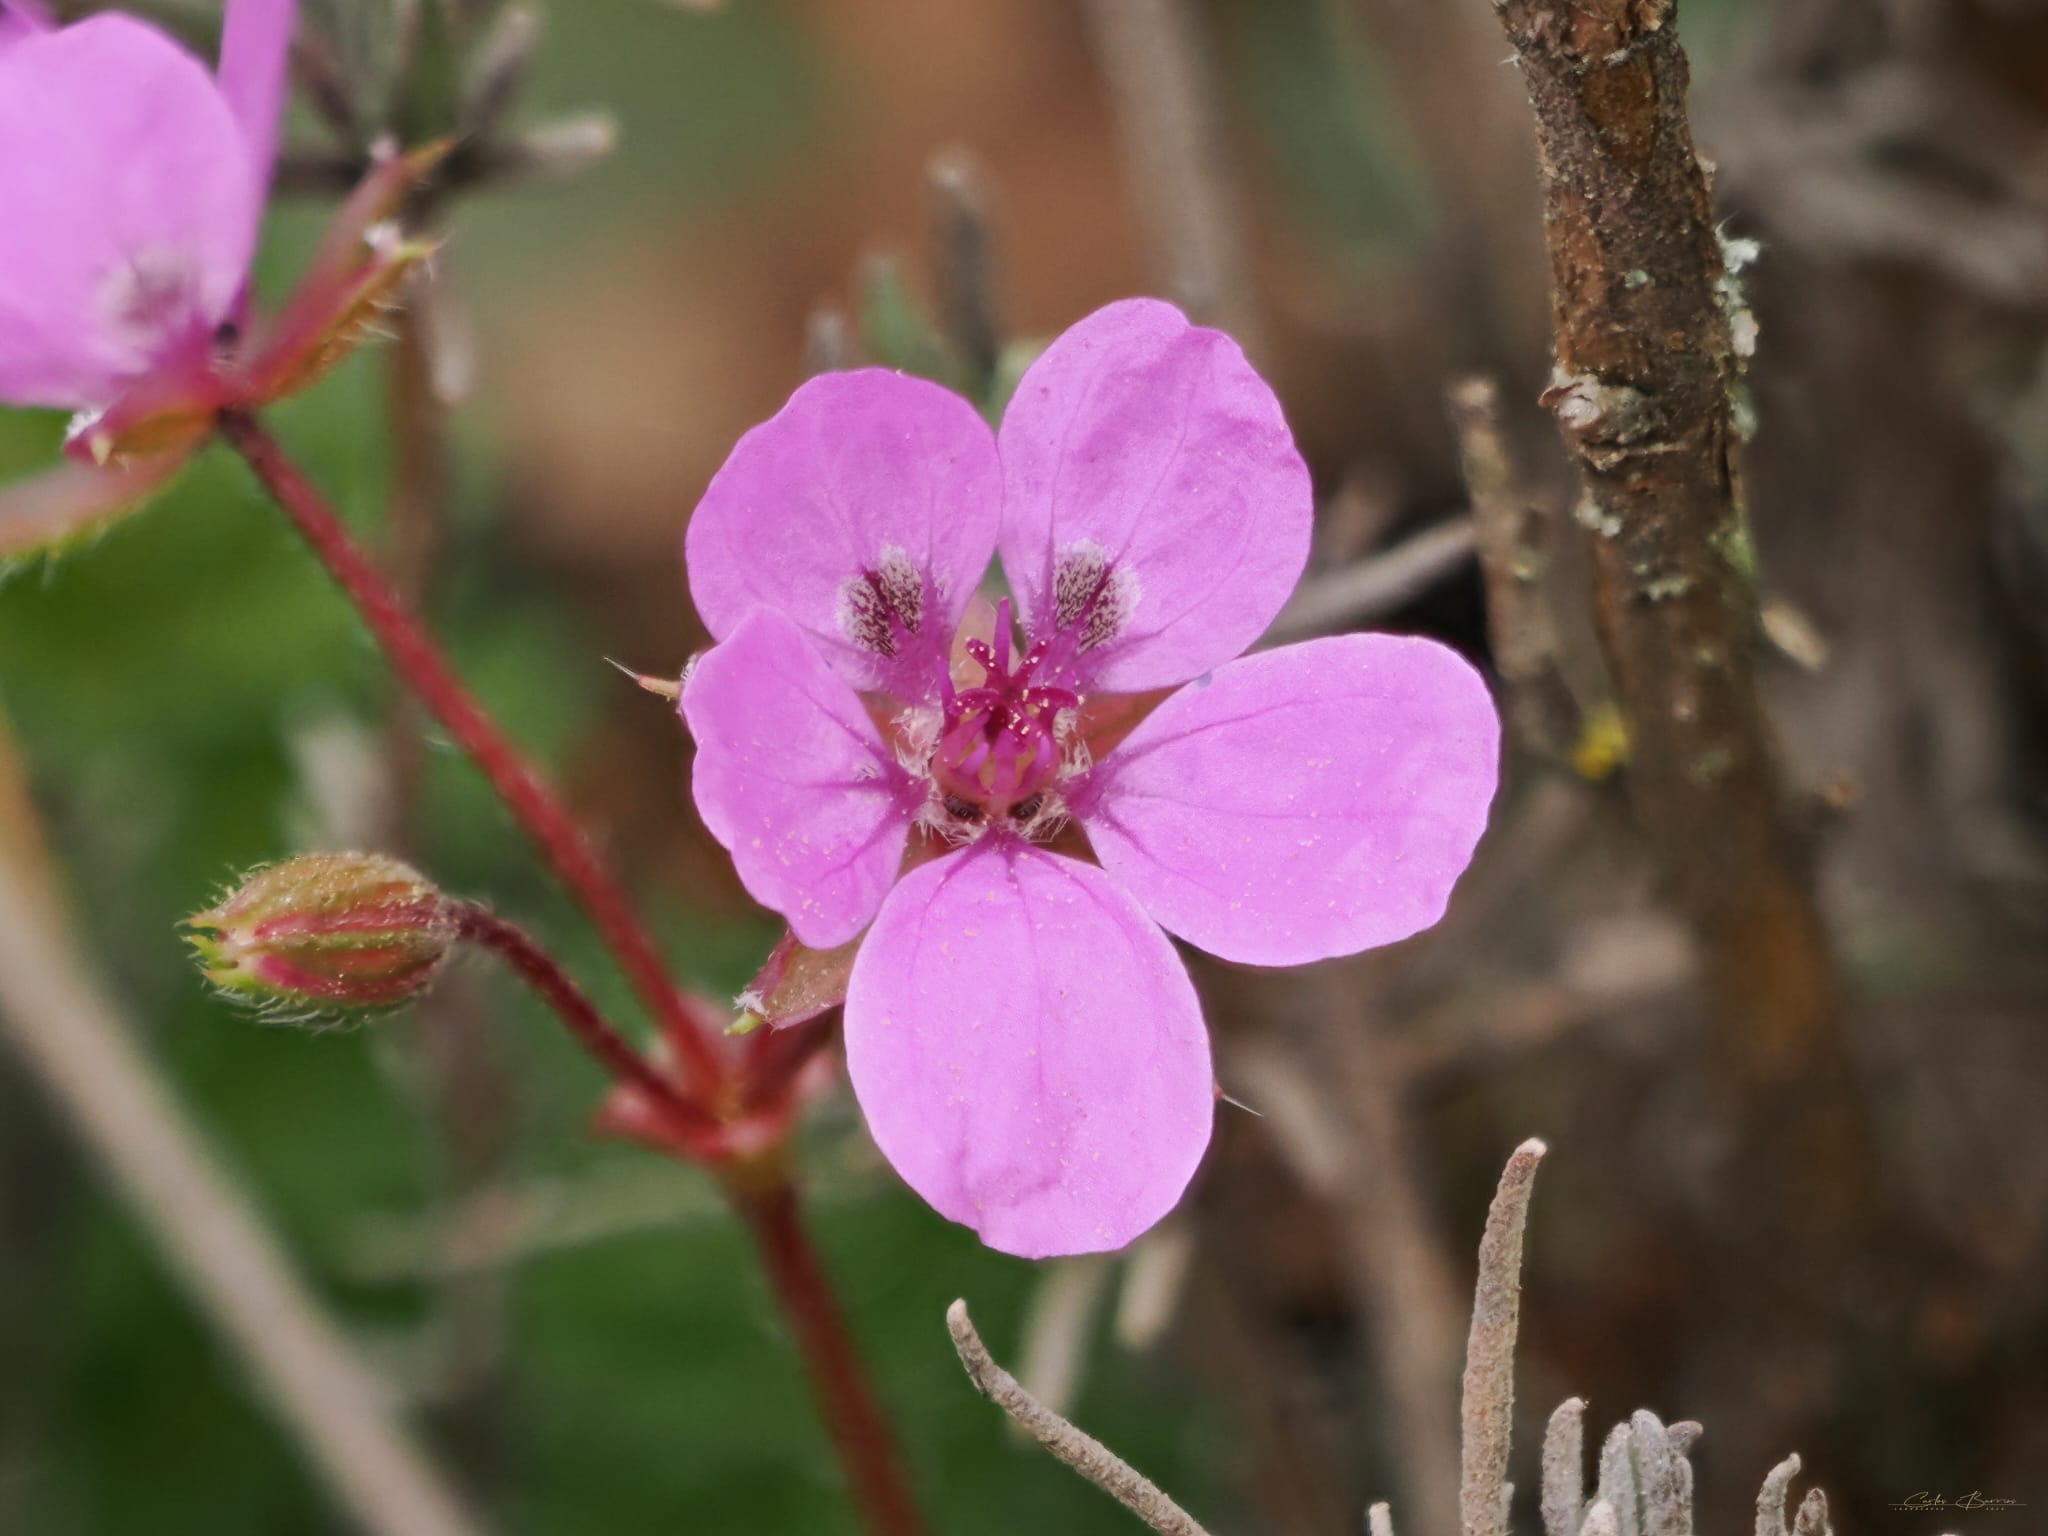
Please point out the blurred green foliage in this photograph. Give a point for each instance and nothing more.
(156, 681)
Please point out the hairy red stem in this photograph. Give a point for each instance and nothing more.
(761, 1192)
(539, 970)
(415, 658)
(858, 1425)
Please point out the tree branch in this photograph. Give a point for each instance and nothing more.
(1079, 1450)
(1647, 362)
(1646, 365)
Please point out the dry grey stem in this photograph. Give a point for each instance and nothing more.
(1770, 1499)
(1372, 588)
(1664, 1477)
(1154, 58)
(73, 1041)
(1512, 531)
(1079, 1450)
(1564, 1468)
(1489, 1391)
(963, 261)
(1618, 1489)
(1812, 1519)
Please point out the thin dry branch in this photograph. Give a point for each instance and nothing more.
(1372, 588)
(1513, 535)
(1154, 58)
(1079, 1450)
(1647, 364)
(1564, 1468)
(72, 1040)
(1770, 1499)
(1663, 1476)
(1489, 1391)
(963, 266)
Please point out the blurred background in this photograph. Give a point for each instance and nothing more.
(1350, 186)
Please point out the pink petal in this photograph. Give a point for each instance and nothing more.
(869, 493)
(18, 18)
(1310, 801)
(794, 779)
(1028, 1051)
(255, 59)
(130, 213)
(1147, 466)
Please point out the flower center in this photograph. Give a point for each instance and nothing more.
(149, 302)
(998, 752)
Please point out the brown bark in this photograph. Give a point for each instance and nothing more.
(1643, 394)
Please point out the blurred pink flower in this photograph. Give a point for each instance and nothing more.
(134, 183)
(1024, 1042)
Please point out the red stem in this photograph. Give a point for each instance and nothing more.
(851, 1413)
(414, 657)
(760, 1191)
(539, 970)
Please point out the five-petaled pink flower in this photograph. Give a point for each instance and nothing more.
(132, 188)
(1023, 1040)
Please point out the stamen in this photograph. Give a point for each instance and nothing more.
(998, 747)
(1002, 658)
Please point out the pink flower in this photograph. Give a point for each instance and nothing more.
(1023, 1040)
(134, 182)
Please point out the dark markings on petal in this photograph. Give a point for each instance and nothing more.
(880, 605)
(1092, 594)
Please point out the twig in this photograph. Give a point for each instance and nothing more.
(828, 341)
(539, 970)
(1647, 364)
(1619, 1495)
(70, 1036)
(1059, 1326)
(1771, 1497)
(1079, 1450)
(1152, 55)
(760, 1190)
(1812, 1519)
(418, 661)
(963, 267)
(1489, 1391)
(1564, 1468)
(1374, 587)
(859, 1428)
(1663, 1476)
(470, 1097)
(1512, 530)
(419, 488)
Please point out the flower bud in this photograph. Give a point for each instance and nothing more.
(327, 933)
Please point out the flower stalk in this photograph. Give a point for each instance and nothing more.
(804, 1291)
(554, 986)
(759, 1186)
(415, 657)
